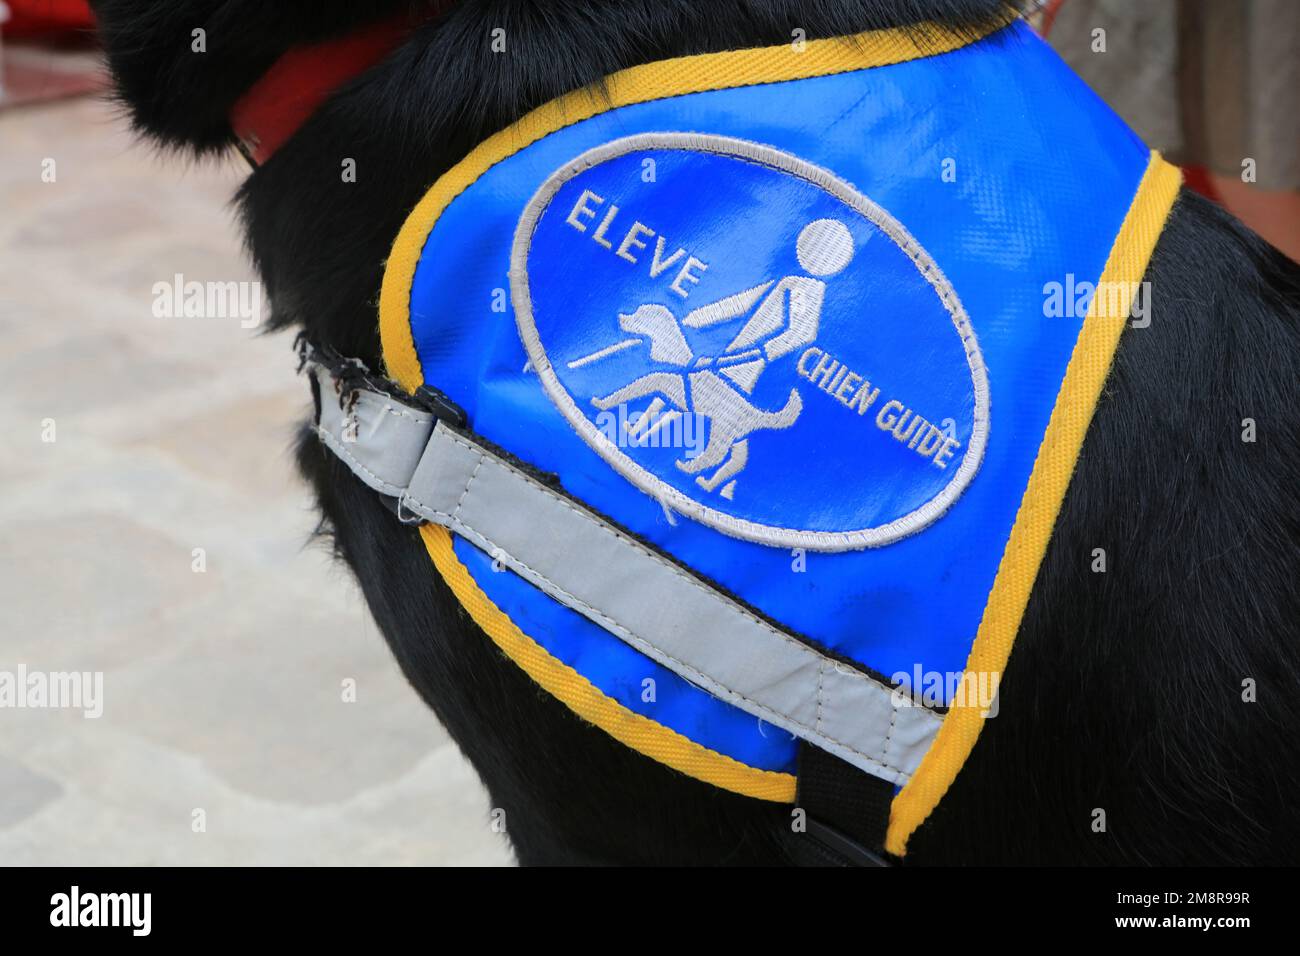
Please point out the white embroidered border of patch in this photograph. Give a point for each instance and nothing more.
(656, 487)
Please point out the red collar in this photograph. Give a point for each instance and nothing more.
(299, 82)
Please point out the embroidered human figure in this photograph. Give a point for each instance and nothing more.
(786, 319)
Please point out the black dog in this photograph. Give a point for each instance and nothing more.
(1125, 690)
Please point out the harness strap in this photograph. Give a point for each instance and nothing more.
(848, 811)
(443, 475)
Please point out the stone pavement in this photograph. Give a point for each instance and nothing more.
(130, 440)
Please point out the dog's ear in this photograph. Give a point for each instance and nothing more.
(179, 65)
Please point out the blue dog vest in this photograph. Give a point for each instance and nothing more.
(773, 367)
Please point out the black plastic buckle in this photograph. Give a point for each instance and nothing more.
(440, 406)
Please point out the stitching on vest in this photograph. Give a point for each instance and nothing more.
(455, 515)
(620, 628)
(893, 719)
(403, 413)
(821, 676)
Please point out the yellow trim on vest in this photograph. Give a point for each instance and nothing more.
(1075, 403)
(1044, 493)
(588, 702)
(639, 84)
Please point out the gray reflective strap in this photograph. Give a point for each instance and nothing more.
(629, 589)
(378, 437)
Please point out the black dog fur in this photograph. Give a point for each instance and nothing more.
(1125, 688)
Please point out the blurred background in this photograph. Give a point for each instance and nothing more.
(153, 529)
(255, 690)
(1213, 84)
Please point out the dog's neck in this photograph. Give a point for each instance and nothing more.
(295, 86)
(284, 97)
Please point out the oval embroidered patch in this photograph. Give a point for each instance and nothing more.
(750, 340)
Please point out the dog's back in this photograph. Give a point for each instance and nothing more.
(1164, 691)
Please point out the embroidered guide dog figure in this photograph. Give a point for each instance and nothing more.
(717, 677)
(713, 363)
(785, 320)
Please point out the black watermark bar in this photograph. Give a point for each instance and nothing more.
(330, 906)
